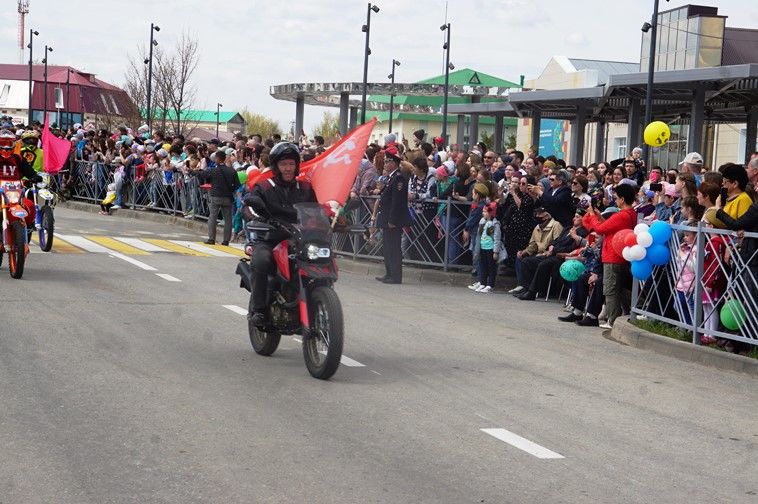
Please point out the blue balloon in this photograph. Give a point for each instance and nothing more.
(658, 255)
(641, 270)
(660, 231)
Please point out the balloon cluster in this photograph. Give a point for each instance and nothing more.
(243, 175)
(644, 247)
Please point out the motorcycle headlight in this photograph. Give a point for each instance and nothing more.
(13, 197)
(315, 252)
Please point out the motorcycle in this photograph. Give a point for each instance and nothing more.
(14, 227)
(301, 298)
(45, 220)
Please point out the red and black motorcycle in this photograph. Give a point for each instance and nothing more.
(301, 297)
(14, 214)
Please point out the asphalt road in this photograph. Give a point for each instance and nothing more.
(121, 386)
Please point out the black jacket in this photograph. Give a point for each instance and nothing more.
(560, 206)
(749, 222)
(274, 198)
(393, 202)
(223, 181)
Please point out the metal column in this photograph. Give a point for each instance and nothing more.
(299, 114)
(498, 134)
(599, 141)
(344, 105)
(473, 137)
(751, 132)
(633, 126)
(577, 136)
(353, 117)
(534, 138)
(461, 131)
(695, 134)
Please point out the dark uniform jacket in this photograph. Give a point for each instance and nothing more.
(393, 203)
(273, 199)
(223, 179)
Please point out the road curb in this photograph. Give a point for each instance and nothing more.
(410, 275)
(147, 215)
(628, 334)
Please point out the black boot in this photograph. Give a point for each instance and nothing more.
(588, 322)
(528, 296)
(571, 317)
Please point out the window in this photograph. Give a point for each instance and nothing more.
(4, 93)
(619, 147)
(59, 98)
(741, 146)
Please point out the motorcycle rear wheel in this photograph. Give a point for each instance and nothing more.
(264, 343)
(16, 253)
(47, 229)
(322, 349)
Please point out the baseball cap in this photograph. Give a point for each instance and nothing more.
(692, 158)
(609, 211)
(670, 191)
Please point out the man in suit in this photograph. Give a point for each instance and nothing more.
(224, 183)
(393, 216)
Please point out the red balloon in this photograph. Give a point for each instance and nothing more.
(619, 239)
(630, 240)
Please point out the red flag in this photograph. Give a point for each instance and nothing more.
(55, 150)
(333, 173)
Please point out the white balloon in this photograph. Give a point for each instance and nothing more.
(645, 239)
(641, 228)
(637, 252)
(626, 253)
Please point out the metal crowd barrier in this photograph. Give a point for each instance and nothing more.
(435, 237)
(89, 182)
(698, 309)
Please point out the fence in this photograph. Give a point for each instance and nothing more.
(168, 192)
(435, 237)
(713, 268)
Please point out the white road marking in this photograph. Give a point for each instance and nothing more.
(168, 277)
(140, 244)
(83, 243)
(522, 444)
(375, 372)
(145, 232)
(199, 248)
(133, 261)
(236, 309)
(350, 362)
(298, 340)
(238, 246)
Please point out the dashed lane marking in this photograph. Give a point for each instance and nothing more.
(236, 309)
(131, 260)
(168, 277)
(522, 444)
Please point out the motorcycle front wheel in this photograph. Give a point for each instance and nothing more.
(47, 228)
(322, 349)
(17, 253)
(264, 343)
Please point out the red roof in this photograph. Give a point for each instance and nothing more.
(55, 74)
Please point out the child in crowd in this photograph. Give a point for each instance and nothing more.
(686, 267)
(107, 203)
(714, 277)
(488, 238)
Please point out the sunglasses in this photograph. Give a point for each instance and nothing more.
(552, 179)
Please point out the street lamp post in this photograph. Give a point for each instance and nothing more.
(153, 28)
(448, 67)
(367, 30)
(48, 49)
(653, 27)
(395, 63)
(68, 95)
(218, 116)
(30, 45)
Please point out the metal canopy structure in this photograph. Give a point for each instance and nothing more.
(725, 94)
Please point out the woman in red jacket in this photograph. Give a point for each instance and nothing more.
(615, 267)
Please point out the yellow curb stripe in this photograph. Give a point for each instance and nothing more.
(173, 247)
(116, 245)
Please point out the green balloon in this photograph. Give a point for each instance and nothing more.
(733, 314)
(571, 270)
(242, 176)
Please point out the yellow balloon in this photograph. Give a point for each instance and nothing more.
(657, 133)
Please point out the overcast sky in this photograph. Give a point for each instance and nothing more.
(247, 45)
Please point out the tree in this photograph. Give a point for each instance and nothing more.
(173, 92)
(488, 139)
(328, 127)
(260, 124)
(510, 142)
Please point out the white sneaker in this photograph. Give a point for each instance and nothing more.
(516, 290)
(116, 207)
(474, 286)
(605, 325)
(484, 289)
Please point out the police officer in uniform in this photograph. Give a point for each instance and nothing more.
(393, 216)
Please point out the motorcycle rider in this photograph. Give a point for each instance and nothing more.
(30, 151)
(13, 168)
(273, 199)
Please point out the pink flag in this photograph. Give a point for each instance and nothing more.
(333, 173)
(55, 150)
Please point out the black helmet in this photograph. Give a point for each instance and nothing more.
(284, 150)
